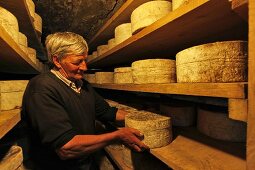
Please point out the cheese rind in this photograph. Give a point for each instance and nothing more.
(177, 3)
(104, 77)
(122, 32)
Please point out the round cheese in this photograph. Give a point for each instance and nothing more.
(122, 32)
(90, 78)
(148, 13)
(31, 8)
(216, 124)
(213, 62)
(10, 23)
(122, 69)
(154, 63)
(123, 75)
(22, 39)
(177, 3)
(38, 23)
(104, 77)
(102, 49)
(155, 128)
(111, 43)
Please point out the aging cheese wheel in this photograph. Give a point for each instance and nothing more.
(216, 124)
(10, 23)
(153, 71)
(156, 128)
(22, 39)
(104, 77)
(90, 78)
(31, 54)
(181, 114)
(177, 3)
(213, 62)
(11, 93)
(13, 159)
(102, 49)
(148, 13)
(122, 32)
(31, 8)
(111, 43)
(38, 23)
(123, 75)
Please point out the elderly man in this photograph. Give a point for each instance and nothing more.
(60, 109)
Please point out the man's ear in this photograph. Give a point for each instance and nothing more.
(56, 62)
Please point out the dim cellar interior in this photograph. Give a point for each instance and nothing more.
(182, 69)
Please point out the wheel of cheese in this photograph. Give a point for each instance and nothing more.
(22, 39)
(156, 128)
(12, 159)
(213, 62)
(154, 63)
(148, 13)
(104, 77)
(10, 23)
(122, 32)
(90, 78)
(111, 43)
(38, 23)
(102, 49)
(181, 114)
(123, 75)
(177, 3)
(216, 124)
(31, 54)
(31, 8)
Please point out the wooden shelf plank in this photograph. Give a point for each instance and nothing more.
(117, 158)
(226, 90)
(8, 119)
(13, 59)
(192, 150)
(20, 9)
(120, 17)
(241, 8)
(197, 22)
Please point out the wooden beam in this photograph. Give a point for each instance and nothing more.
(238, 109)
(241, 8)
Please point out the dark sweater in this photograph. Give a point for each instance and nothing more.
(54, 114)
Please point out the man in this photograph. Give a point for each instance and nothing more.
(60, 109)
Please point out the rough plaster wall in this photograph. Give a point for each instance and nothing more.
(81, 16)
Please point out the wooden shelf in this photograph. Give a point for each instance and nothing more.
(120, 17)
(226, 90)
(8, 119)
(197, 22)
(241, 8)
(20, 9)
(13, 59)
(117, 158)
(192, 150)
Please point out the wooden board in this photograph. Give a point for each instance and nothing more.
(251, 90)
(194, 151)
(13, 59)
(8, 119)
(237, 109)
(227, 90)
(241, 8)
(20, 9)
(120, 17)
(198, 22)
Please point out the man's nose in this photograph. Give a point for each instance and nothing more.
(83, 66)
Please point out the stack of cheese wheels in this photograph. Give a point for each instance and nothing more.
(31, 54)
(148, 13)
(213, 62)
(11, 93)
(104, 77)
(181, 113)
(31, 8)
(214, 122)
(12, 159)
(111, 43)
(153, 71)
(123, 75)
(122, 32)
(38, 23)
(90, 78)
(10, 23)
(102, 49)
(157, 129)
(177, 3)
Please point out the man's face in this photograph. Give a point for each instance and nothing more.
(73, 66)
